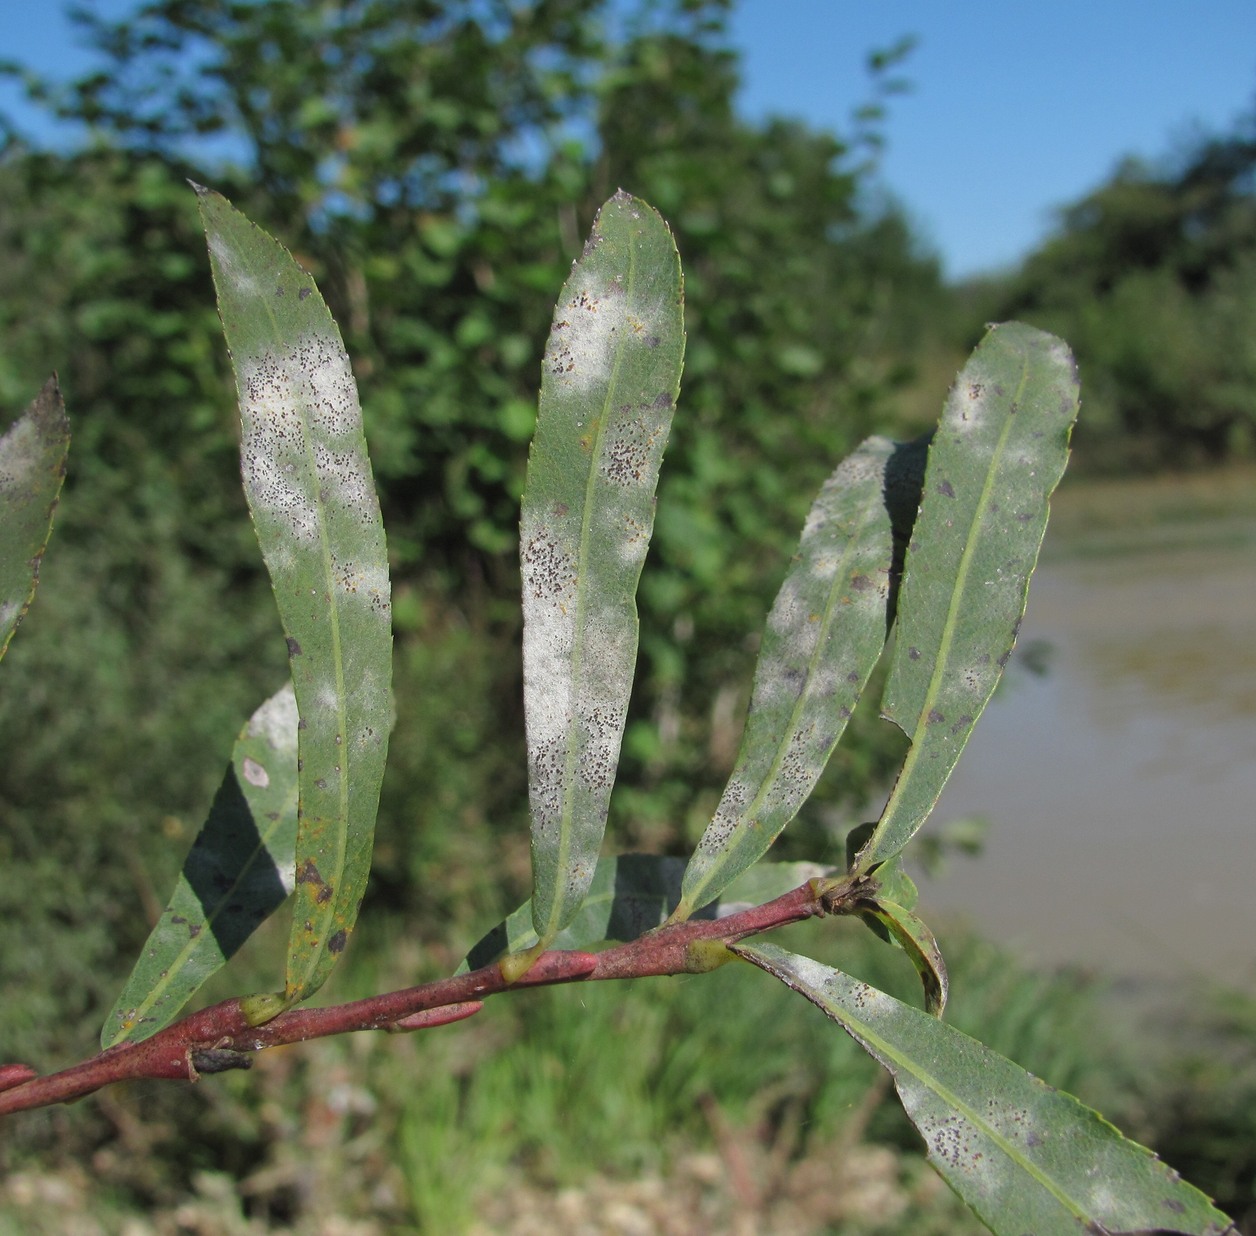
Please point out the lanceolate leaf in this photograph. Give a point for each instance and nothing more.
(312, 497)
(1024, 1156)
(632, 894)
(32, 467)
(917, 941)
(609, 385)
(823, 638)
(237, 873)
(997, 456)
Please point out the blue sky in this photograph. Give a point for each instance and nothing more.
(1017, 107)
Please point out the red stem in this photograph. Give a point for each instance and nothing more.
(215, 1033)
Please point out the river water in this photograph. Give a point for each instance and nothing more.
(1120, 785)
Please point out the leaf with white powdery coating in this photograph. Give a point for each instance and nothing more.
(32, 468)
(312, 497)
(998, 454)
(1024, 1156)
(610, 378)
(238, 871)
(823, 639)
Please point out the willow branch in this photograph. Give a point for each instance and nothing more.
(219, 1037)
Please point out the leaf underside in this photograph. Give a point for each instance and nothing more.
(312, 498)
(32, 468)
(609, 386)
(1023, 1156)
(237, 873)
(998, 454)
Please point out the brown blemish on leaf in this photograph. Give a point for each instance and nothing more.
(337, 943)
(307, 873)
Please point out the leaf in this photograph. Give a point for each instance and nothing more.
(912, 933)
(998, 454)
(238, 872)
(32, 467)
(823, 638)
(633, 894)
(1024, 1156)
(312, 498)
(609, 386)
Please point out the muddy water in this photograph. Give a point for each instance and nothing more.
(1121, 784)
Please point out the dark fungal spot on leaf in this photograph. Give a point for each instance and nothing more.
(861, 583)
(324, 895)
(935, 716)
(307, 873)
(337, 943)
(663, 401)
(303, 293)
(294, 649)
(321, 783)
(1173, 1204)
(913, 654)
(549, 572)
(946, 489)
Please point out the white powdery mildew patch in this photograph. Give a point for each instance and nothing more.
(547, 675)
(789, 611)
(327, 697)
(586, 331)
(368, 696)
(329, 387)
(230, 268)
(968, 411)
(549, 596)
(824, 566)
(343, 481)
(274, 460)
(365, 585)
(276, 721)
(729, 813)
(295, 405)
(9, 611)
(19, 455)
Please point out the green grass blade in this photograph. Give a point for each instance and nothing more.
(312, 497)
(609, 385)
(238, 872)
(32, 467)
(823, 638)
(1024, 1156)
(998, 454)
(633, 894)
